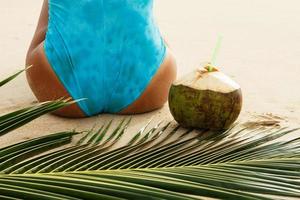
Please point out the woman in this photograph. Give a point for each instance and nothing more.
(108, 53)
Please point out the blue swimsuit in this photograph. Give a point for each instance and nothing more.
(106, 51)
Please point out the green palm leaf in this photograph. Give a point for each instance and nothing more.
(10, 78)
(159, 162)
(13, 120)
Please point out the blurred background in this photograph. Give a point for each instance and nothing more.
(260, 50)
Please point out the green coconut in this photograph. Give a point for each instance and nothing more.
(205, 99)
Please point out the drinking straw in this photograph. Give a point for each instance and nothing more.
(215, 52)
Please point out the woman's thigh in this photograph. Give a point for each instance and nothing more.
(156, 94)
(45, 84)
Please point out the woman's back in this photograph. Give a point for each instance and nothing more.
(109, 52)
(106, 43)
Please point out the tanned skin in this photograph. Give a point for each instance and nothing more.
(46, 86)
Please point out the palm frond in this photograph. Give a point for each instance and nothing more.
(10, 78)
(14, 120)
(159, 162)
(21, 151)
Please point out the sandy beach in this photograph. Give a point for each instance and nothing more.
(261, 51)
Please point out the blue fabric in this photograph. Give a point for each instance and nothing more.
(104, 50)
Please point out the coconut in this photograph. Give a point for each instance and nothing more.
(205, 99)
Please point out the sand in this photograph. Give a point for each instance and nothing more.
(261, 51)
